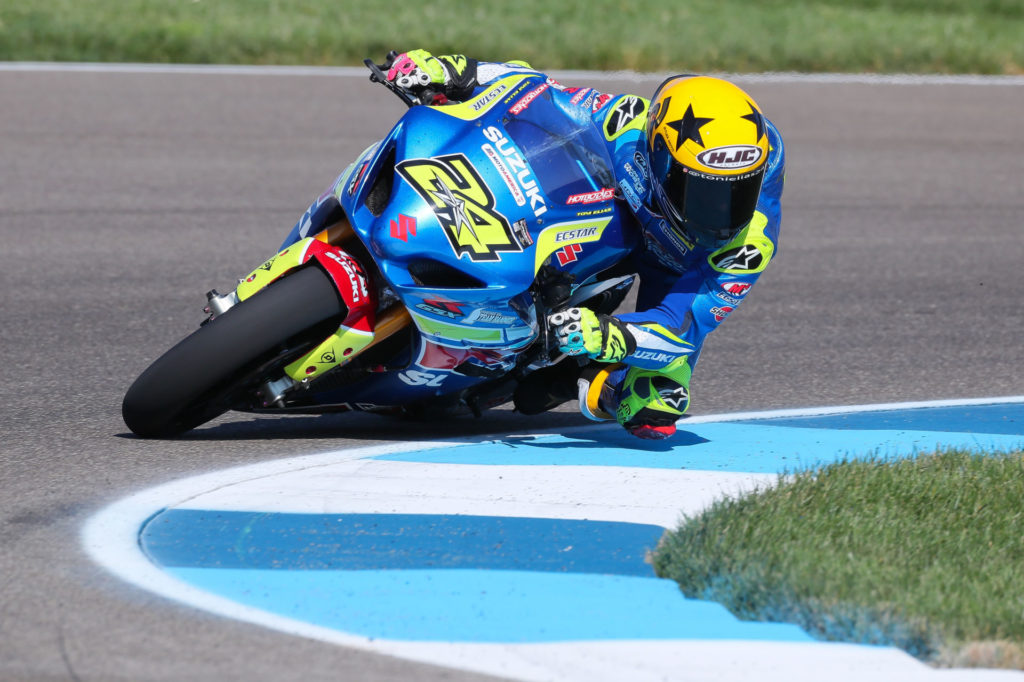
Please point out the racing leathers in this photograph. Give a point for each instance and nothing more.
(646, 357)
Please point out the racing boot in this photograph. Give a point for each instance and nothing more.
(596, 389)
(645, 402)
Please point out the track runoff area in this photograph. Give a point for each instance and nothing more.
(521, 556)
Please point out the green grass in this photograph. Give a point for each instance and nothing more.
(925, 36)
(924, 554)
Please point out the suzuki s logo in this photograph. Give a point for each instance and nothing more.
(732, 156)
(463, 204)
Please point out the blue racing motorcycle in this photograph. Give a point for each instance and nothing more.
(420, 280)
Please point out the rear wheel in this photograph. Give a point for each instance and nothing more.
(220, 364)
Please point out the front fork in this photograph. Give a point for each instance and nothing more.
(360, 328)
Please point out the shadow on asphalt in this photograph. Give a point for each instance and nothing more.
(362, 426)
(500, 425)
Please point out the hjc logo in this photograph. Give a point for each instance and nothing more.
(735, 156)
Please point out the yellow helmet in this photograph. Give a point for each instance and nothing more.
(708, 152)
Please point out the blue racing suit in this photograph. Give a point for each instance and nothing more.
(686, 291)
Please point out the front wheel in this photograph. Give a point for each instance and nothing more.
(218, 366)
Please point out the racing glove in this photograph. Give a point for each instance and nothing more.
(580, 331)
(453, 75)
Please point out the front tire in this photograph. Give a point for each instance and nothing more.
(218, 365)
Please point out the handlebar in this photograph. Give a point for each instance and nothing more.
(378, 74)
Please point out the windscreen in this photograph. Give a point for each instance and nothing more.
(568, 157)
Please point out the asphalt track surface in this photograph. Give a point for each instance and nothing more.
(125, 196)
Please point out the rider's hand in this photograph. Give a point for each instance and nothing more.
(582, 332)
(416, 70)
(454, 76)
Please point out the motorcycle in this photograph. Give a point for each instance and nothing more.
(421, 280)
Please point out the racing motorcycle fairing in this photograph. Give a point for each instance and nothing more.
(455, 213)
(467, 202)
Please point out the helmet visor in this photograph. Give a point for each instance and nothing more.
(707, 209)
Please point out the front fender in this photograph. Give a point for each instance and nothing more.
(357, 329)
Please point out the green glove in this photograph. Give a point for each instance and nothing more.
(454, 75)
(582, 332)
(416, 69)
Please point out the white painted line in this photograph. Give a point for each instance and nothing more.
(567, 75)
(111, 537)
(849, 409)
(595, 493)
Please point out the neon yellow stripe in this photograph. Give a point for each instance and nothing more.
(485, 101)
(574, 232)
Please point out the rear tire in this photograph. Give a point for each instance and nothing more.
(218, 365)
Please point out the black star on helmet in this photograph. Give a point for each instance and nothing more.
(688, 128)
(757, 119)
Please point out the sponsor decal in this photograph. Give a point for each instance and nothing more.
(524, 102)
(627, 110)
(522, 233)
(592, 197)
(489, 317)
(555, 84)
(463, 204)
(677, 240)
(638, 182)
(599, 103)
(405, 226)
(555, 237)
(596, 211)
(731, 156)
(721, 312)
(415, 377)
(737, 289)
(631, 196)
(441, 309)
(505, 174)
(488, 97)
(744, 257)
(675, 395)
(575, 235)
(568, 253)
(653, 356)
(578, 97)
(588, 103)
(518, 165)
(355, 274)
(641, 162)
(726, 298)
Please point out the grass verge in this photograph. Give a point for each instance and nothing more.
(923, 36)
(924, 554)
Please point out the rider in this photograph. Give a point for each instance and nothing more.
(702, 171)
